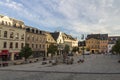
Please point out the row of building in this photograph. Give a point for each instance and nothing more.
(14, 35)
(99, 43)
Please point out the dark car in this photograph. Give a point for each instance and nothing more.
(70, 54)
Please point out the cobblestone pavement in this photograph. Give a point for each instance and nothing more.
(95, 67)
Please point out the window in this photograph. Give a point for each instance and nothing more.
(32, 45)
(28, 37)
(36, 38)
(0, 33)
(22, 44)
(6, 23)
(40, 45)
(32, 38)
(9, 24)
(43, 46)
(5, 34)
(11, 35)
(11, 45)
(17, 36)
(16, 45)
(22, 37)
(36, 46)
(5, 45)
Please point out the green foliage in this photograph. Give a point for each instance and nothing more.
(25, 52)
(116, 47)
(82, 48)
(75, 49)
(87, 49)
(52, 49)
(67, 48)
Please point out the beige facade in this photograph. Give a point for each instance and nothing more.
(49, 40)
(96, 45)
(12, 37)
(37, 41)
(69, 40)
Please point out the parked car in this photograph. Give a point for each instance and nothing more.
(70, 54)
(86, 53)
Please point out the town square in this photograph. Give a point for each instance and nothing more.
(59, 40)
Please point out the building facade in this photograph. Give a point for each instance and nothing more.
(49, 40)
(12, 38)
(97, 43)
(111, 42)
(36, 40)
(63, 39)
(69, 40)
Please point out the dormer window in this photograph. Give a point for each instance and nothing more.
(36, 31)
(9, 24)
(6, 23)
(33, 30)
(23, 26)
(28, 29)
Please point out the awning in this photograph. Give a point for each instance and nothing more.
(4, 52)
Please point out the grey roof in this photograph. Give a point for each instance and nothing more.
(113, 39)
(55, 35)
(98, 36)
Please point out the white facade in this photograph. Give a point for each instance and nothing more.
(110, 47)
(60, 38)
(12, 38)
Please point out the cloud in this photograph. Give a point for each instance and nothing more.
(71, 16)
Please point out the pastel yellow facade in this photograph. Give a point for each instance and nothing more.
(96, 45)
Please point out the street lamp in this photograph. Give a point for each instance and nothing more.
(82, 38)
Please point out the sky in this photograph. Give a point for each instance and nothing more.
(74, 17)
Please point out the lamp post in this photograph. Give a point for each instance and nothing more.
(83, 46)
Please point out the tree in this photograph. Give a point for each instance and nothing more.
(75, 49)
(52, 49)
(116, 47)
(26, 52)
(87, 49)
(67, 48)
